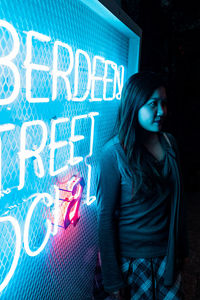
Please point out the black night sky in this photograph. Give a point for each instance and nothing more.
(171, 30)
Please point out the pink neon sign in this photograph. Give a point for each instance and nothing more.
(70, 201)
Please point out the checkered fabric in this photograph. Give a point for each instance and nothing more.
(145, 279)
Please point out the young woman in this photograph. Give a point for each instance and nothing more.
(141, 214)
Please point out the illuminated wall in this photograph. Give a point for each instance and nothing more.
(62, 68)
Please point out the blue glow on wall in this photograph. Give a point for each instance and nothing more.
(62, 69)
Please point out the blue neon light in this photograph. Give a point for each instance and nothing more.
(59, 92)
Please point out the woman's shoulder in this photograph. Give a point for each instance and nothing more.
(169, 137)
(108, 157)
(171, 140)
(110, 152)
(111, 145)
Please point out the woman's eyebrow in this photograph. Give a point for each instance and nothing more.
(158, 98)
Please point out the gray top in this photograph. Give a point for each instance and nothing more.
(131, 226)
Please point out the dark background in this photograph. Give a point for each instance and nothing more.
(170, 44)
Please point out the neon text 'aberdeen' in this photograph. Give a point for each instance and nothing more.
(79, 64)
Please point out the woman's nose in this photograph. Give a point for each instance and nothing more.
(160, 110)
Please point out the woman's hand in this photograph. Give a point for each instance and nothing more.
(120, 294)
(116, 295)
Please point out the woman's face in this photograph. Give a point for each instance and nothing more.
(152, 114)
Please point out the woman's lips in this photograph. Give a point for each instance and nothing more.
(158, 122)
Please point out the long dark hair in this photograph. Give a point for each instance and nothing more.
(136, 92)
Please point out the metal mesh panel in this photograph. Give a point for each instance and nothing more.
(64, 269)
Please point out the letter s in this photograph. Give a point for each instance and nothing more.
(16, 227)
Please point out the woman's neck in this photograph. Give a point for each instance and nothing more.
(149, 139)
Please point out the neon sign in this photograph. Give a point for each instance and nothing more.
(36, 199)
(57, 74)
(110, 80)
(16, 227)
(25, 154)
(73, 192)
(71, 202)
(93, 78)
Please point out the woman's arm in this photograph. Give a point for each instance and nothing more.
(184, 243)
(108, 193)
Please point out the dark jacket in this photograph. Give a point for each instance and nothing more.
(178, 241)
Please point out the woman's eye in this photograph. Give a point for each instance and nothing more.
(152, 104)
